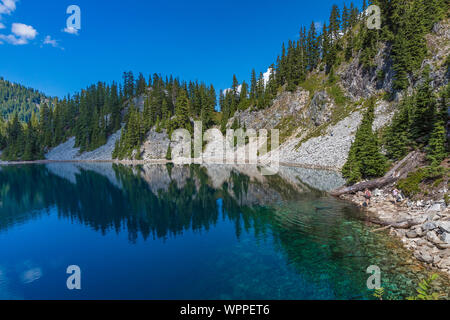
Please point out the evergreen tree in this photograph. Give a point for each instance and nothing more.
(32, 150)
(365, 160)
(335, 23)
(400, 66)
(349, 47)
(313, 47)
(46, 125)
(182, 120)
(436, 150)
(253, 86)
(424, 111)
(397, 138)
(15, 142)
(346, 14)
(141, 85)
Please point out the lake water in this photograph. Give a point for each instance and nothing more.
(189, 232)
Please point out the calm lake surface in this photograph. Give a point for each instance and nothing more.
(189, 232)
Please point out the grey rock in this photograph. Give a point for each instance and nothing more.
(436, 260)
(445, 237)
(444, 226)
(429, 226)
(412, 234)
(444, 264)
(444, 253)
(377, 193)
(360, 82)
(424, 256)
(67, 150)
(320, 108)
(155, 145)
(437, 207)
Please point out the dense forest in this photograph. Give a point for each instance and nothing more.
(139, 104)
(15, 98)
(168, 104)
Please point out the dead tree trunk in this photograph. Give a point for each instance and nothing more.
(399, 171)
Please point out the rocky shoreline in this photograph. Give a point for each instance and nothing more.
(422, 226)
(160, 161)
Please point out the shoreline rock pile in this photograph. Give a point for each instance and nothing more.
(422, 226)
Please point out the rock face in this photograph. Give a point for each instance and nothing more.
(155, 145)
(361, 83)
(285, 105)
(320, 108)
(438, 43)
(329, 150)
(67, 151)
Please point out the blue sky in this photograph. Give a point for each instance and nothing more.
(195, 40)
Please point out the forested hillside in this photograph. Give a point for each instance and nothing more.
(15, 98)
(168, 104)
(92, 115)
(165, 103)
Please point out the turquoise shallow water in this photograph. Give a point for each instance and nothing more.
(187, 232)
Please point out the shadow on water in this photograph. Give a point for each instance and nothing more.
(312, 245)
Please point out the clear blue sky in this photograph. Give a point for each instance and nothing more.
(193, 39)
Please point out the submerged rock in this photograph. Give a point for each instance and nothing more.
(424, 256)
(412, 234)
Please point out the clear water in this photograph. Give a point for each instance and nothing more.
(187, 232)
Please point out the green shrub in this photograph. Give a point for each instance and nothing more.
(169, 153)
(379, 293)
(337, 94)
(425, 290)
(411, 184)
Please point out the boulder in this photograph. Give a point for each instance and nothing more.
(377, 193)
(444, 263)
(433, 238)
(444, 226)
(424, 256)
(411, 234)
(429, 226)
(445, 237)
(437, 207)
